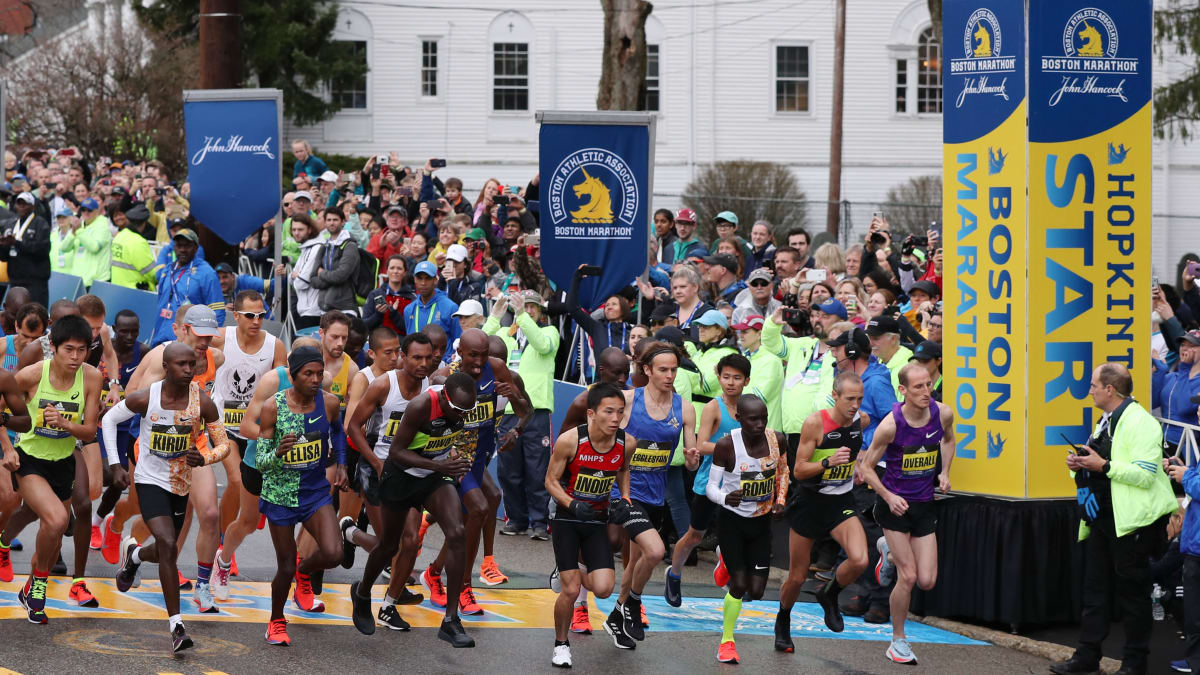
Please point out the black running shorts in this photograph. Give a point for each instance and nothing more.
(368, 481)
(573, 540)
(251, 479)
(745, 542)
(60, 473)
(814, 514)
(642, 517)
(918, 521)
(155, 502)
(399, 490)
(703, 510)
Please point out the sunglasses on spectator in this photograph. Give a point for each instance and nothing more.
(760, 282)
(253, 315)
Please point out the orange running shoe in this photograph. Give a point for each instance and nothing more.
(233, 565)
(467, 603)
(185, 584)
(727, 652)
(303, 596)
(421, 532)
(80, 595)
(262, 522)
(581, 621)
(720, 573)
(97, 538)
(437, 590)
(6, 569)
(645, 619)
(489, 572)
(110, 547)
(277, 633)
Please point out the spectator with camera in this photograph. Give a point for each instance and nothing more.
(26, 248)
(385, 305)
(459, 280)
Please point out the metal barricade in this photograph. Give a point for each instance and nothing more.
(1187, 450)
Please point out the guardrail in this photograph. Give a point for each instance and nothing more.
(1188, 449)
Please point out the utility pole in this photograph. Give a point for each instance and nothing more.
(834, 207)
(220, 68)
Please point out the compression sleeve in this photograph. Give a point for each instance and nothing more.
(109, 423)
(337, 439)
(716, 482)
(219, 447)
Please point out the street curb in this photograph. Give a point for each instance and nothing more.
(1046, 650)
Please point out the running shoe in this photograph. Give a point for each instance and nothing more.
(511, 530)
(489, 572)
(467, 603)
(262, 522)
(97, 538)
(855, 606)
(727, 652)
(829, 603)
(672, 589)
(80, 595)
(407, 597)
(614, 625)
(220, 579)
(16, 545)
(1181, 666)
(203, 597)
(720, 573)
(180, 640)
(540, 533)
(361, 611)
(555, 581)
(885, 571)
(581, 620)
(277, 633)
(233, 570)
(390, 617)
(110, 548)
(631, 613)
(823, 575)
(561, 657)
(127, 573)
(877, 615)
(60, 567)
(645, 619)
(387, 571)
(437, 590)
(900, 652)
(185, 584)
(783, 632)
(452, 632)
(303, 596)
(33, 599)
(6, 568)
(347, 545)
(425, 523)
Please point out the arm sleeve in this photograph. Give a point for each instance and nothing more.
(94, 238)
(1191, 481)
(109, 423)
(540, 340)
(491, 326)
(370, 315)
(782, 478)
(219, 448)
(1141, 438)
(264, 457)
(715, 488)
(338, 440)
(37, 242)
(426, 192)
(581, 317)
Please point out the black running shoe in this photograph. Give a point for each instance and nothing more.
(347, 545)
(632, 612)
(673, 589)
(127, 571)
(855, 606)
(318, 581)
(180, 640)
(829, 603)
(60, 567)
(388, 616)
(614, 625)
(363, 620)
(387, 571)
(34, 600)
(452, 632)
(783, 632)
(407, 597)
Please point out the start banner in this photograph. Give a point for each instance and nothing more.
(596, 180)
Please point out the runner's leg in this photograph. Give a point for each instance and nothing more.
(447, 507)
(53, 515)
(405, 558)
(900, 545)
(395, 523)
(284, 539)
(850, 536)
(799, 551)
(203, 502)
(243, 526)
(81, 505)
(323, 532)
(165, 554)
(95, 470)
(231, 499)
(492, 492)
(476, 504)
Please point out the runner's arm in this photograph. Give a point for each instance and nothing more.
(112, 365)
(219, 448)
(133, 404)
(692, 460)
(266, 456)
(14, 399)
(564, 451)
(810, 434)
(884, 433)
(358, 387)
(416, 414)
(576, 412)
(520, 402)
(723, 461)
(149, 369)
(86, 429)
(710, 417)
(947, 448)
(623, 474)
(31, 354)
(781, 473)
(337, 435)
(355, 427)
(267, 386)
(280, 355)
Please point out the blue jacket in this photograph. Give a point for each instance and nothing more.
(166, 256)
(313, 167)
(878, 396)
(440, 309)
(1189, 538)
(196, 284)
(1175, 390)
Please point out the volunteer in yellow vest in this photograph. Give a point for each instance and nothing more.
(64, 398)
(93, 253)
(132, 260)
(716, 343)
(884, 332)
(766, 374)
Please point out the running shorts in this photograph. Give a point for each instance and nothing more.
(368, 481)
(60, 474)
(473, 479)
(155, 502)
(814, 515)
(918, 521)
(252, 479)
(641, 517)
(703, 510)
(745, 542)
(399, 490)
(286, 516)
(574, 540)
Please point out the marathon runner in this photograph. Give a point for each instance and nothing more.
(66, 394)
(250, 353)
(31, 321)
(389, 395)
(612, 367)
(421, 471)
(480, 443)
(174, 414)
(916, 439)
(717, 420)
(826, 457)
(656, 416)
(297, 431)
(749, 478)
(586, 462)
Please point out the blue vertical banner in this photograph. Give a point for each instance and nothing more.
(233, 157)
(596, 181)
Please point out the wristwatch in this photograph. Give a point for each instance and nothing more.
(1106, 467)
(825, 463)
(4, 417)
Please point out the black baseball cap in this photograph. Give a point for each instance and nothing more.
(859, 337)
(928, 350)
(724, 260)
(928, 287)
(882, 325)
(223, 267)
(662, 312)
(670, 334)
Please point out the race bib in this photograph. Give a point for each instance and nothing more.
(170, 441)
(390, 426)
(649, 456)
(234, 412)
(68, 409)
(306, 453)
(593, 485)
(758, 486)
(838, 475)
(919, 463)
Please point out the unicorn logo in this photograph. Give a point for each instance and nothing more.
(598, 208)
(1117, 155)
(984, 45)
(996, 159)
(995, 445)
(1093, 44)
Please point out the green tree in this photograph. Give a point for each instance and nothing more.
(1177, 33)
(287, 45)
(914, 204)
(753, 190)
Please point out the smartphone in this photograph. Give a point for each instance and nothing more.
(877, 215)
(815, 275)
(385, 171)
(851, 305)
(500, 199)
(437, 163)
(1154, 282)
(404, 191)
(160, 191)
(533, 239)
(1193, 269)
(67, 152)
(793, 315)
(591, 270)
(513, 189)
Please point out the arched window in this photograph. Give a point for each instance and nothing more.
(510, 36)
(929, 73)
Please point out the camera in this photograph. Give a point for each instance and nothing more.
(502, 200)
(913, 242)
(533, 239)
(437, 163)
(877, 240)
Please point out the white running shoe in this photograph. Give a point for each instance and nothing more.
(562, 656)
(220, 579)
